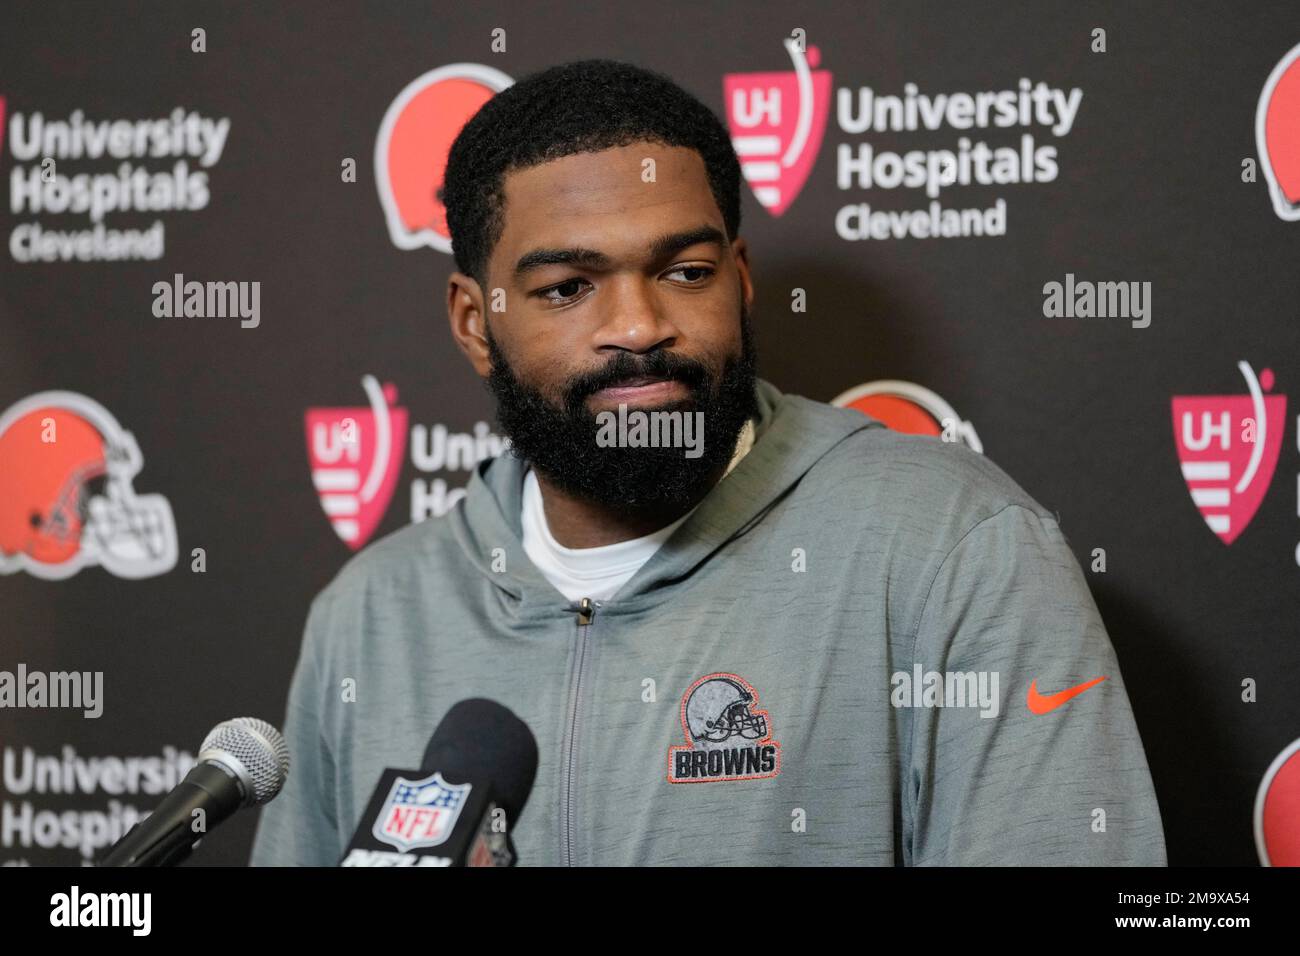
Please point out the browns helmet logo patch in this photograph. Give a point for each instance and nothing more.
(727, 736)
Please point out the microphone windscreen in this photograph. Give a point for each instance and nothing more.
(482, 739)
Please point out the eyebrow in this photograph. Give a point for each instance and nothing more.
(659, 248)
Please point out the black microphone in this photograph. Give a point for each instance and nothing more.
(459, 808)
(242, 763)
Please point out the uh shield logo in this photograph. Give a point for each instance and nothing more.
(776, 122)
(420, 812)
(1228, 446)
(411, 150)
(355, 456)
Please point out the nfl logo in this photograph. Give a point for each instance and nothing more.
(419, 812)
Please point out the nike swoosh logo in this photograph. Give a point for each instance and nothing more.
(1045, 703)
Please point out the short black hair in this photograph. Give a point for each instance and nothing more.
(578, 107)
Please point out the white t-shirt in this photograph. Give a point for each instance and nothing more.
(596, 573)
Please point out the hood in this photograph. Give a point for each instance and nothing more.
(791, 434)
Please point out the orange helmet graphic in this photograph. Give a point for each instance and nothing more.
(1277, 134)
(911, 408)
(66, 495)
(411, 150)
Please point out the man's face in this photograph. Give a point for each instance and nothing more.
(619, 288)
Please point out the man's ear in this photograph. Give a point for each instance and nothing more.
(740, 249)
(468, 322)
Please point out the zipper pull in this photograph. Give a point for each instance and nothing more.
(586, 611)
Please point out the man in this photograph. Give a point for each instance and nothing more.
(809, 640)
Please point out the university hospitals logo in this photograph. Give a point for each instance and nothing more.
(727, 736)
(420, 813)
(994, 138)
(356, 456)
(1277, 134)
(910, 408)
(1228, 446)
(67, 495)
(777, 121)
(74, 176)
(411, 151)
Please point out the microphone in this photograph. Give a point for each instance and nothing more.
(458, 808)
(242, 763)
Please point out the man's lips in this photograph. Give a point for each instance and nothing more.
(642, 390)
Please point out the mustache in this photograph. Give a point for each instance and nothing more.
(625, 365)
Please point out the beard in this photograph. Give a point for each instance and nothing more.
(561, 442)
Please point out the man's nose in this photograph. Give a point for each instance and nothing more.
(634, 318)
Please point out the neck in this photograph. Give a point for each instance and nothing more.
(578, 523)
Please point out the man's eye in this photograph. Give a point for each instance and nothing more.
(565, 290)
(698, 273)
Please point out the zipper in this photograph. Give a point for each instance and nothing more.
(586, 614)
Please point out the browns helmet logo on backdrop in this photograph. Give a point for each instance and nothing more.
(1277, 810)
(66, 495)
(910, 408)
(417, 131)
(1277, 134)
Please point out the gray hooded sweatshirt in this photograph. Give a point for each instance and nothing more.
(863, 647)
